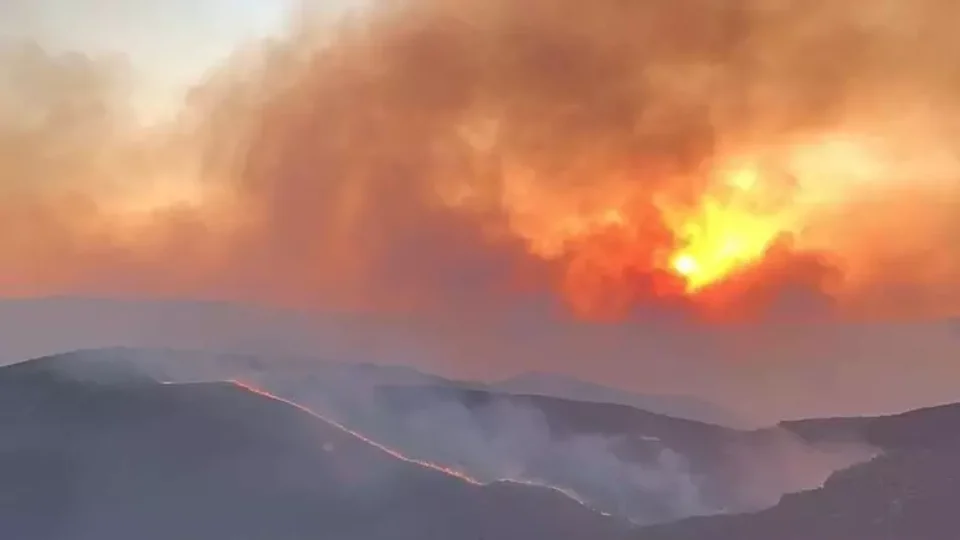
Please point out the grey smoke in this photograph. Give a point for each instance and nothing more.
(505, 441)
(633, 475)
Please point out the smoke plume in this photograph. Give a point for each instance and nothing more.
(703, 158)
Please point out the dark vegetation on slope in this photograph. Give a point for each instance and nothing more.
(115, 456)
(106, 453)
(908, 493)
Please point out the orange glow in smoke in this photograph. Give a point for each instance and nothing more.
(620, 241)
(725, 234)
(607, 239)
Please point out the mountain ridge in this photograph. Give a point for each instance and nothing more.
(214, 460)
(674, 405)
(621, 460)
(903, 494)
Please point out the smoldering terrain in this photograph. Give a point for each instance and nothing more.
(525, 185)
(645, 467)
(100, 449)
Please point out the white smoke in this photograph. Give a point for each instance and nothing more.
(633, 475)
(507, 441)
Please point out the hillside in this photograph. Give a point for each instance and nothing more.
(909, 493)
(119, 456)
(918, 429)
(645, 466)
(565, 417)
(94, 448)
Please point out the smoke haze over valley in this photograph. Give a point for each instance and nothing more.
(508, 187)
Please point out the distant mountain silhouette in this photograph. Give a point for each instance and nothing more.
(38, 327)
(678, 406)
(566, 416)
(918, 429)
(109, 454)
(34, 327)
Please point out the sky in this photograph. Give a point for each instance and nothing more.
(739, 199)
(170, 45)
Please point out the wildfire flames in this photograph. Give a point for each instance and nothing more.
(723, 231)
(692, 237)
(722, 236)
(249, 387)
(724, 159)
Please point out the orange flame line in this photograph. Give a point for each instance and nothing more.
(393, 453)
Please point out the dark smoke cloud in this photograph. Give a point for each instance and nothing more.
(330, 158)
(347, 145)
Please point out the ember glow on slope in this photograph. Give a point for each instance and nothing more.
(392, 453)
(722, 160)
(397, 455)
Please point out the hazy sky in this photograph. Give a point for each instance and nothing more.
(170, 43)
